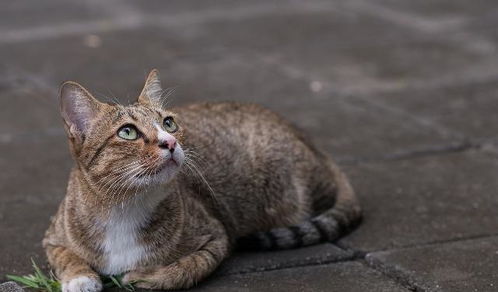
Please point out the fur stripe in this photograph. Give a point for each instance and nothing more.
(211, 253)
(298, 235)
(98, 151)
(319, 228)
(324, 227)
(132, 116)
(270, 239)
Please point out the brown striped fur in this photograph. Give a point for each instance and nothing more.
(247, 175)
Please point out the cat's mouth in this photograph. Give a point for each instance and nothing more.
(171, 162)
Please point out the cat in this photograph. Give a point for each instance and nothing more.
(162, 196)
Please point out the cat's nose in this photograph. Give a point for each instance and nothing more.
(168, 144)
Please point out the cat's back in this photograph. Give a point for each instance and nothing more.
(234, 123)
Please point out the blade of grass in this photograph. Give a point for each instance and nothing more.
(41, 282)
(42, 278)
(38, 280)
(24, 280)
(115, 281)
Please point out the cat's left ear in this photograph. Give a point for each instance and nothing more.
(78, 109)
(151, 93)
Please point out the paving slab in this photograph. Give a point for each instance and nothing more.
(27, 13)
(424, 200)
(30, 192)
(482, 26)
(468, 109)
(28, 111)
(443, 9)
(468, 265)
(348, 48)
(347, 276)
(158, 7)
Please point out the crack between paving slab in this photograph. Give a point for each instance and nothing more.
(433, 243)
(352, 258)
(412, 154)
(485, 144)
(397, 275)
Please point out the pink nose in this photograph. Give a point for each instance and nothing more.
(168, 143)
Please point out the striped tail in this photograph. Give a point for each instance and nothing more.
(328, 226)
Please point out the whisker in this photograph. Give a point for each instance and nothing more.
(117, 186)
(194, 168)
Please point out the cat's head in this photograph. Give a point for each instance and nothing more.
(120, 149)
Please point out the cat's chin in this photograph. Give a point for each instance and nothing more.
(164, 174)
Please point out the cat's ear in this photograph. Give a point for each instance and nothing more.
(151, 93)
(78, 109)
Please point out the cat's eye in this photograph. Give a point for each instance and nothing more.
(128, 132)
(170, 125)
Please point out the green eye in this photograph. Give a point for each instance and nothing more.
(128, 132)
(170, 125)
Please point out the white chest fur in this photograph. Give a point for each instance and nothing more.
(122, 245)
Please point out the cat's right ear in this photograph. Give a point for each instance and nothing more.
(78, 109)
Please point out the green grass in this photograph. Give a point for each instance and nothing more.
(41, 282)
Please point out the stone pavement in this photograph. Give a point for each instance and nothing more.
(403, 93)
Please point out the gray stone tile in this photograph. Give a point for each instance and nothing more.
(482, 27)
(28, 111)
(468, 109)
(31, 188)
(33, 14)
(347, 276)
(468, 265)
(245, 262)
(445, 9)
(115, 67)
(348, 49)
(423, 200)
(10, 287)
(172, 7)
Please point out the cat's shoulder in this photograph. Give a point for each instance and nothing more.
(221, 106)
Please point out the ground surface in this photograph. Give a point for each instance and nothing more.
(403, 93)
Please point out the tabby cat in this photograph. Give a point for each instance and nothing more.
(163, 195)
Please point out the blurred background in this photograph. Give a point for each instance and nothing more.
(402, 93)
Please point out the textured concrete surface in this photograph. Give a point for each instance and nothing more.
(347, 276)
(402, 93)
(425, 199)
(265, 261)
(10, 287)
(467, 265)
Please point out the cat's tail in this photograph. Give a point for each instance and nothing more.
(330, 225)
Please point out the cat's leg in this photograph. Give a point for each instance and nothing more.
(185, 272)
(75, 274)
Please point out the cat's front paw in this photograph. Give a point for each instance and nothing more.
(82, 284)
(141, 278)
(166, 278)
